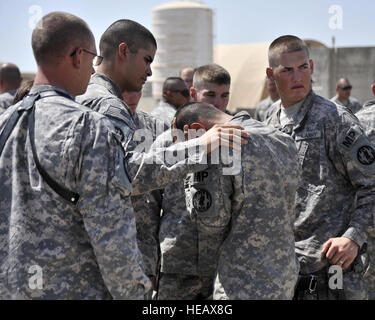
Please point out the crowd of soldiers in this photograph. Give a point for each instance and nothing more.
(100, 200)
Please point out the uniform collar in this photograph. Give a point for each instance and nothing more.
(243, 115)
(300, 116)
(45, 88)
(102, 80)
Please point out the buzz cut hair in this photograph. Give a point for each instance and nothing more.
(196, 112)
(187, 68)
(10, 74)
(55, 33)
(171, 83)
(211, 73)
(341, 80)
(285, 44)
(126, 31)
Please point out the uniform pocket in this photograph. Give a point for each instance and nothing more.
(209, 198)
(309, 146)
(307, 200)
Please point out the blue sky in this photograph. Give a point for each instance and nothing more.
(236, 21)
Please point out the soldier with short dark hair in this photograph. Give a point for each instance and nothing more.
(367, 118)
(67, 227)
(10, 80)
(336, 197)
(343, 96)
(188, 253)
(126, 66)
(244, 216)
(175, 95)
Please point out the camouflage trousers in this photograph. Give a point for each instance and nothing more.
(370, 273)
(184, 287)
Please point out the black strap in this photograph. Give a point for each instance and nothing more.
(11, 123)
(27, 105)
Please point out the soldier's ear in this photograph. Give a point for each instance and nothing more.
(312, 66)
(123, 51)
(197, 126)
(193, 93)
(77, 58)
(269, 73)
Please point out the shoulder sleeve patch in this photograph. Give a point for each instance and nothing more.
(351, 138)
(366, 155)
(357, 147)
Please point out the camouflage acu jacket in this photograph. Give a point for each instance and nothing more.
(50, 248)
(336, 195)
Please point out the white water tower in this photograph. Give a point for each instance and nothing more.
(184, 33)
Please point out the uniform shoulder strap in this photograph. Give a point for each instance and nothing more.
(27, 105)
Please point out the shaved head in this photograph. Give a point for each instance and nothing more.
(60, 31)
(186, 70)
(130, 32)
(285, 44)
(342, 82)
(173, 83)
(344, 89)
(196, 112)
(10, 75)
(187, 74)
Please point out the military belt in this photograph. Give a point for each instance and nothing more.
(313, 282)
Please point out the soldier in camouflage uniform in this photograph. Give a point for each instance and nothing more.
(367, 118)
(245, 213)
(67, 228)
(343, 98)
(188, 254)
(10, 80)
(264, 105)
(146, 206)
(180, 278)
(175, 95)
(128, 50)
(335, 199)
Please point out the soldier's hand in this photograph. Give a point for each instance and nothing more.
(340, 251)
(231, 136)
